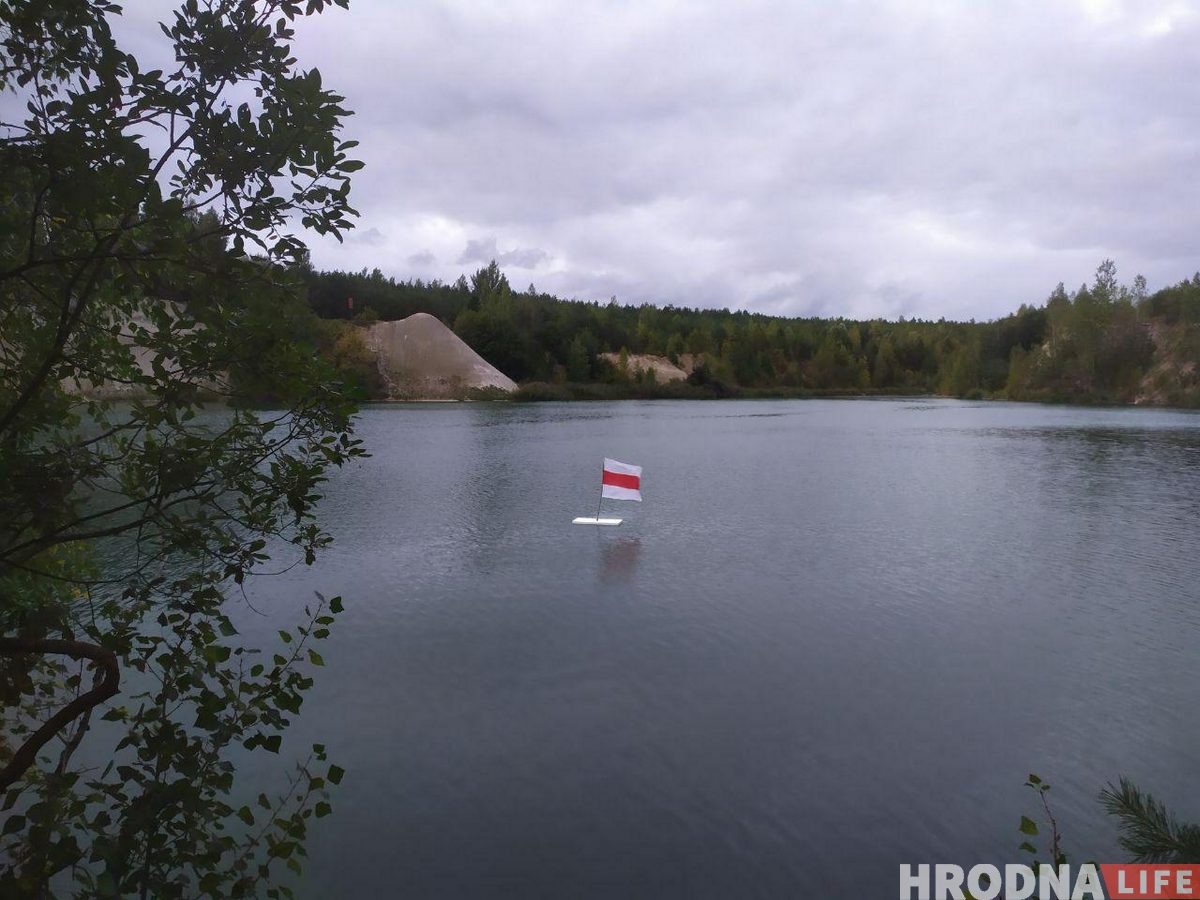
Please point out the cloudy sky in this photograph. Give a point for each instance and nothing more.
(915, 157)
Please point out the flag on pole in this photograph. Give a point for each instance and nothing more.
(621, 481)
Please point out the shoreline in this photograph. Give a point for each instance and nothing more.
(749, 396)
(539, 392)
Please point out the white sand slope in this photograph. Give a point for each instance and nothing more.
(664, 370)
(422, 359)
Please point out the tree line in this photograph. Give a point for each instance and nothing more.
(1104, 342)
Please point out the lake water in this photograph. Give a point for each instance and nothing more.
(835, 638)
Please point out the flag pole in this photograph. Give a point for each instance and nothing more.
(601, 500)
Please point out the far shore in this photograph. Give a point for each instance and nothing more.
(609, 393)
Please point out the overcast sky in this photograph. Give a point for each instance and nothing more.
(911, 158)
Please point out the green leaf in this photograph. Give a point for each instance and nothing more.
(315, 657)
(13, 824)
(211, 884)
(285, 637)
(1028, 826)
(217, 653)
(106, 886)
(245, 815)
(336, 773)
(323, 809)
(272, 743)
(1028, 847)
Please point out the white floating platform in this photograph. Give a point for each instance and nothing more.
(591, 520)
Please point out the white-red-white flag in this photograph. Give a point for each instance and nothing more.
(621, 481)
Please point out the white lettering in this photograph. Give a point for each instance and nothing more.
(1183, 881)
(1019, 882)
(983, 881)
(1122, 887)
(1060, 880)
(1088, 886)
(947, 882)
(910, 882)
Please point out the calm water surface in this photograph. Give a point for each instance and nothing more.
(834, 638)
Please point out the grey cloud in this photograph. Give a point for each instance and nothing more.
(421, 258)
(524, 258)
(913, 158)
(478, 251)
(484, 251)
(370, 237)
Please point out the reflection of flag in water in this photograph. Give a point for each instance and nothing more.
(621, 481)
(620, 559)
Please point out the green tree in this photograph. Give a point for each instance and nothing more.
(962, 371)
(131, 201)
(675, 347)
(699, 340)
(1105, 287)
(886, 369)
(579, 366)
(488, 285)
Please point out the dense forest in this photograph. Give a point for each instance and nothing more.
(1106, 342)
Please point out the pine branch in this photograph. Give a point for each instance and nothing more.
(1148, 831)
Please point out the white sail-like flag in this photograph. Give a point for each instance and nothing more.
(618, 481)
(621, 481)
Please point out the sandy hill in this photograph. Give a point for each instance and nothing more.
(420, 358)
(664, 369)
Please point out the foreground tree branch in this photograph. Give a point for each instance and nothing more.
(106, 687)
(125, 272)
